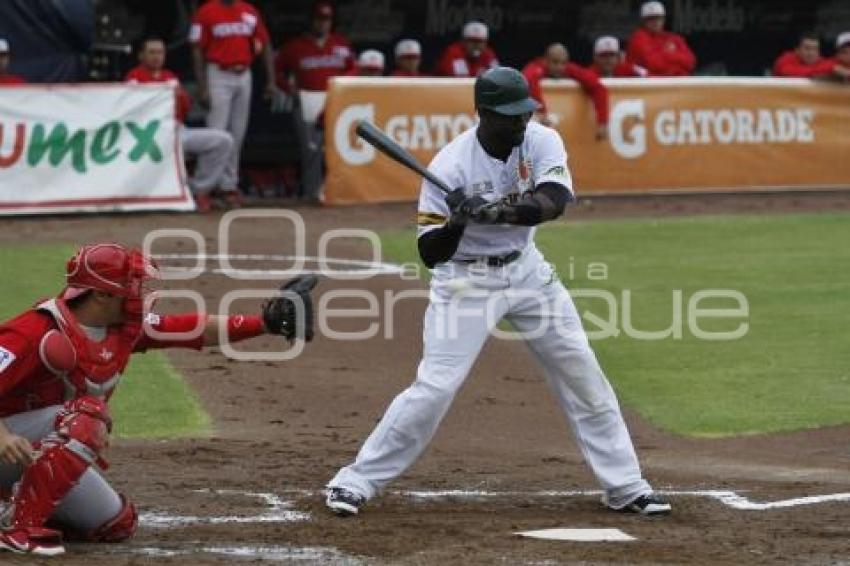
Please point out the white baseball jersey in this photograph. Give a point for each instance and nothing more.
(541, 158)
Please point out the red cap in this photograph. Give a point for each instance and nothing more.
(323, 10)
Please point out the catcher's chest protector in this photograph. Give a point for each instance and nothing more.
(99, 365)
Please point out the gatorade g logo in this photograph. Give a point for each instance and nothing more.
(428, 132)
(627, 130)
(352, 149)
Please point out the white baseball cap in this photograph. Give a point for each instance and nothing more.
(606, 44)
(4, 46)
(408, 48)
(371, 59)
(475, 30)
(652, 10)
(842, 40)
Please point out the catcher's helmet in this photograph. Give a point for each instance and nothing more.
(505, 91)
(111, 268)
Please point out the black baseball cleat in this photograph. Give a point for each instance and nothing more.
(343, 502)
(647, 504)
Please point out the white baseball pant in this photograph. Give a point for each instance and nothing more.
(528, 293)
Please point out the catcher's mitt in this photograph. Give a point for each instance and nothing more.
(281, 314)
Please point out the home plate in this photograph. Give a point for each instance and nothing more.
(579, 535)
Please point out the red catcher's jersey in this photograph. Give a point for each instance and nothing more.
(142, 75)
(27, 384)
(311, 63)
(229, 35)
(454, 62)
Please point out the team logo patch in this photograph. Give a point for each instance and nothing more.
(152, 319)
(556, 171)
(250, 19)
(6, 358)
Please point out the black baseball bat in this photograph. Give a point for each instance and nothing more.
(390, 148)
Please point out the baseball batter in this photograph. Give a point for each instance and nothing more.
(225, 36)
(59, 364)
(479, 243)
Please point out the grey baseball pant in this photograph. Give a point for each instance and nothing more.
(90, 504)
(230, 109)
(213, 149)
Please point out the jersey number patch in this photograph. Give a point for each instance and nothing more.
(6, 358)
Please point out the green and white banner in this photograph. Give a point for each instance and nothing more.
(90, 147)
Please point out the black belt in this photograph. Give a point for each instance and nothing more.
(495, 260)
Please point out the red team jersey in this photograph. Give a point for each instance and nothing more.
(664, 54)
(454, 62)
(27, 384)
(229, 36)
(142, 75)
(311, 63)
(535, 71)
(789, 64)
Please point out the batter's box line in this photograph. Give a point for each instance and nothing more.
(731, 499)
(280, 510)
(277, 510)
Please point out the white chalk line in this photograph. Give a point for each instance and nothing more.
(262, 552)
(351, 267)
(280, 510)
(729, 498)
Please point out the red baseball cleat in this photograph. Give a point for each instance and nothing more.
(32, 540)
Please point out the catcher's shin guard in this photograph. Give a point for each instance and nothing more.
(118, 529)
(82, 433)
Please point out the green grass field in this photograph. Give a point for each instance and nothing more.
(152, 400)
(792, 368)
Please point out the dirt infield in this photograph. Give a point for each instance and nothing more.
(253, 490)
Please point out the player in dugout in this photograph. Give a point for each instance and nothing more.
(805, 61)
(661, 52)
(556, 64)
(370, 63)
(60, 362)
(408, 59)
(470, 56)
(303, 67)
(610, 62)
(211, 146)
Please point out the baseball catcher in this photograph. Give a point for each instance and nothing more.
(61, 361)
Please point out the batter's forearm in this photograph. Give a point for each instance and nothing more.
(439, 245)
(547, 202)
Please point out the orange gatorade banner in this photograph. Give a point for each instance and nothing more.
(665, 135)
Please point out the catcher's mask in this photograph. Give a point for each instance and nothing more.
(114, 269)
